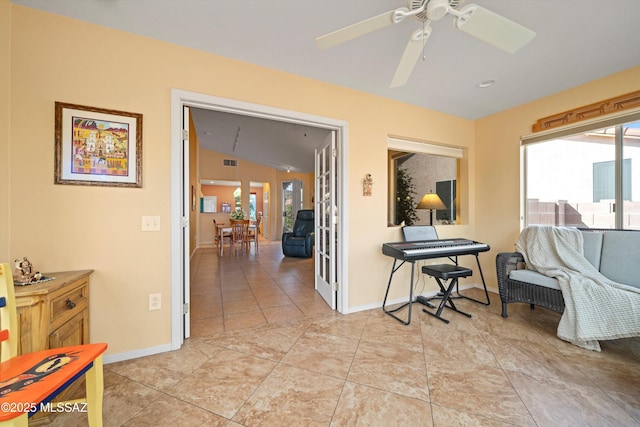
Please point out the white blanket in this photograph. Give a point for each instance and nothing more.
(596, 308)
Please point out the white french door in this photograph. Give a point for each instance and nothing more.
(186, 201)
(326, 221)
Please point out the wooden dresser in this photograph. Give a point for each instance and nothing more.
(54, 313)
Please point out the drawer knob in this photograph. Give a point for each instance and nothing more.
(70, 304)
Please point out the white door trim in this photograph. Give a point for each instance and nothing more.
(180, 98)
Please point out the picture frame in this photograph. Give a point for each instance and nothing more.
(97, 146)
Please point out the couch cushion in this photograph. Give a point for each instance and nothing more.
(530, 276)
(592, 247)
(619, 262)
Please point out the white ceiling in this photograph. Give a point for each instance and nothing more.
(577, 41)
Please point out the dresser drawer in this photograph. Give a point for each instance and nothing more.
(69, 303)
(43, 309)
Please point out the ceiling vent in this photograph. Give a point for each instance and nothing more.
(228, 162)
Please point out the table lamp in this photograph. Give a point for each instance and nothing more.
(431, 201)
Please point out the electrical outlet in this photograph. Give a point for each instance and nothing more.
(155, 302)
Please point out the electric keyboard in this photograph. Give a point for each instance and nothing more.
(412, 251)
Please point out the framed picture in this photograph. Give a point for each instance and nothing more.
(96, 146)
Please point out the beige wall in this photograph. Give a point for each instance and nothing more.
(76, 227)
(5, 116)
(64, 227)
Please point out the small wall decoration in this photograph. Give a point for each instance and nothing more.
(367, 185)
(96, 146)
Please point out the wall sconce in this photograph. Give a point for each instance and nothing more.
(367, 185)
(431, 201)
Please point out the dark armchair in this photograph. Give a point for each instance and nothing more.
(299, 242)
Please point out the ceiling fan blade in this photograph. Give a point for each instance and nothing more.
(492, 28)
(356, 30)
(410, 56)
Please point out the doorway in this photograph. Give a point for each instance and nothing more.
(181, 99)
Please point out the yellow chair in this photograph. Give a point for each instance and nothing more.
(29, 382)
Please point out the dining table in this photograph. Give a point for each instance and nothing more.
(226, 228)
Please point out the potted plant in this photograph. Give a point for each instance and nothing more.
(405, 204)
(238, 214)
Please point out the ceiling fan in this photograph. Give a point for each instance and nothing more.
(481, 23)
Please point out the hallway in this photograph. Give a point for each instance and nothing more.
(233, 292)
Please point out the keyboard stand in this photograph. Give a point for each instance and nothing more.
(409, 303)
(424, 300)
(484, 285)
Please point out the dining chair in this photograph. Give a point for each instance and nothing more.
(226, 235)
(29, 382)
(240, 234)
(254, 233)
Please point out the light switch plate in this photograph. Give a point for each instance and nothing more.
(150, 223)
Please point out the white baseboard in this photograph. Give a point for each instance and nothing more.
(113, 358)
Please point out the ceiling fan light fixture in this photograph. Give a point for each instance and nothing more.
(437, 9)
(492, 28)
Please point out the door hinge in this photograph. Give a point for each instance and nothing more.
(334, 287)
(334, 152)
(184, 221)
(185, 308)
(185, 134)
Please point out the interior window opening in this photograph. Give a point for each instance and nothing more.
(423, 183)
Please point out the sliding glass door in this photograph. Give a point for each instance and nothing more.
(589, 180)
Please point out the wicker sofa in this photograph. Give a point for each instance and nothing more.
(613, 252)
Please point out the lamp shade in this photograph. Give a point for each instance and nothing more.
(431, 201)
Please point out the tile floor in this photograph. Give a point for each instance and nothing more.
(266, 351)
